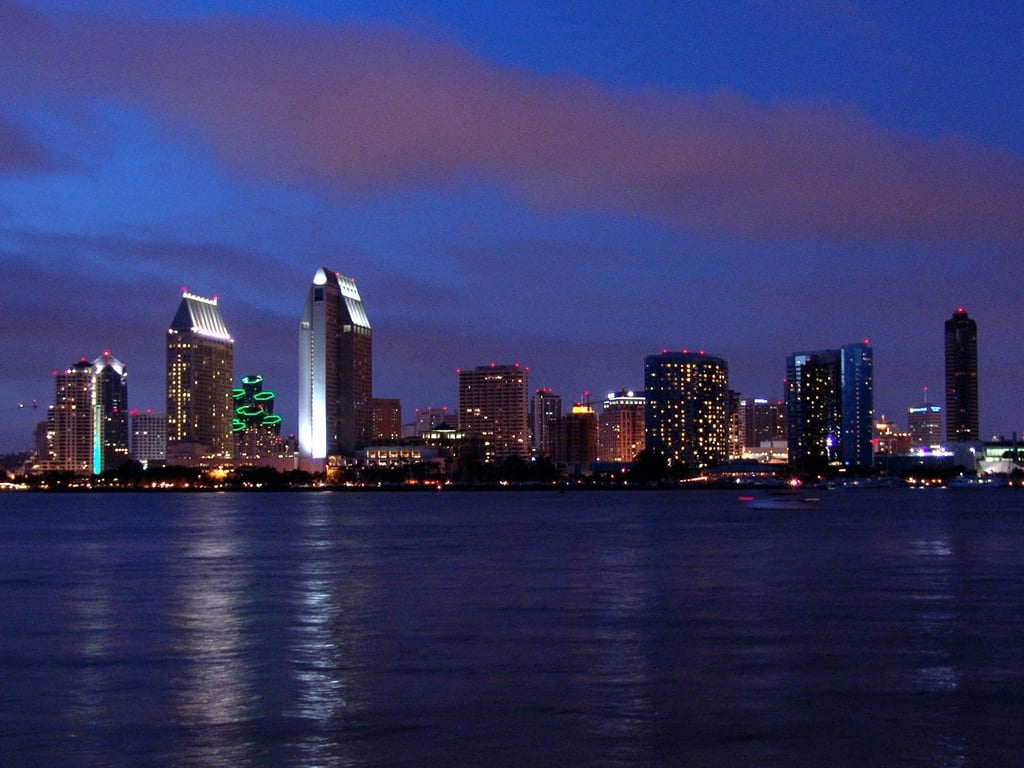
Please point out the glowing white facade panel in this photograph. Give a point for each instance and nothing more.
(335, 369)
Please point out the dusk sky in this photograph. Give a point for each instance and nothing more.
(567, 186)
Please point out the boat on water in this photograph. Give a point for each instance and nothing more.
(781, 501)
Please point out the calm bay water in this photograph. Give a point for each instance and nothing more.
(511, 629)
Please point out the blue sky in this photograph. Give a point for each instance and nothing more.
(568, 186)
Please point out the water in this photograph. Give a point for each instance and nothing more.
(511, 629)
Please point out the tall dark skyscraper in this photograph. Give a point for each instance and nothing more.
(200, 367)
(335, 369)
(830, 407)
(111, 410)
(686, 411)
(961, 378)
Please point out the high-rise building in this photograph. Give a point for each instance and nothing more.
(87, 426)
(493, 410)
(545, 411)
(255, 428)
(762, 421)
(924, 423)
(575, 436)
(961, 378)
(620, 432)
(686, 411)
(431, 417)
(387, 419)
(148, 432)
(830, 408)
(112, 409)
(200, 359)
(71, 424)
(335, 369)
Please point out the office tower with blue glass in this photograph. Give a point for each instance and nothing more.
(830, 408)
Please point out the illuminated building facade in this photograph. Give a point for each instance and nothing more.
(493, 410)
(830, 408)
(762, 421)
(387, 419)
(335, 369)
(255, 428)
(924, 423)
(111, 410)
(430, 417)
(545, 411)
(961, 378)
(621, 430)
(575, 436)
(686, 410)
(71, 427)
(200, 360)
(87, 425)
(148, 436)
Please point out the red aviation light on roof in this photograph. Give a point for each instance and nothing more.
(867, 342)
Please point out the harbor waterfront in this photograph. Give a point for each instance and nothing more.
(875, 627)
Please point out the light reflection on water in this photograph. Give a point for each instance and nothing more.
(510, 629)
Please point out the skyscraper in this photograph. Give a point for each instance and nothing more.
(493, 410)
(71, 426)
(575, 437)
(546, 410)
(87, 426)
(686, 413)
(762, 421)
(830, 407)
(620, 432)
(335, 369)
(961, 378)
(111, 383)
(924, 423)
(200, 359)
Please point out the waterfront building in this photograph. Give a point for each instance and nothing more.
(620, 432)
(335, 369)
(71, 432)
(889, 440)
(762, 421)
(961, 378)
(493, 410)
(255, 428)
(686, 409)
(575, 438)
(924, 423)
(148, 436)
(545, 411)
(429, 418)
(200, 360)
(387, 419)
(830, 408)
(111, 432)
(87, 425)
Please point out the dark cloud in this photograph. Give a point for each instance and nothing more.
(361, 109)
(18, 152)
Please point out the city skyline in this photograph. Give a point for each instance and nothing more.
(573, 189)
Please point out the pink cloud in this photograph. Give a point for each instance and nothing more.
(359, 109)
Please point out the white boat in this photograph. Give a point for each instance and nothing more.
(780, 501)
